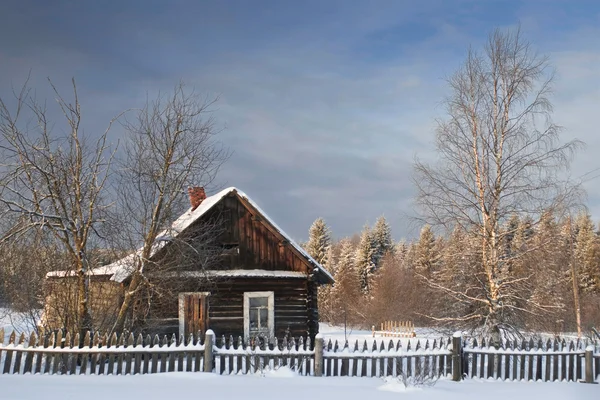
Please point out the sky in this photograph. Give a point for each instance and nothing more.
(324, 104)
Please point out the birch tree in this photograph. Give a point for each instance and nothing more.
(499, 154)
(53, 177)
(170, 144)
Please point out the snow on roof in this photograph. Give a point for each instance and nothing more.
(318, 266)
(109, 269)
(247, 273)
(121, 269)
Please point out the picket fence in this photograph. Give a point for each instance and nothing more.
(99, 354)
(454, 357)
(550, 360)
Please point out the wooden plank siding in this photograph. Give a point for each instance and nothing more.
(226, 307)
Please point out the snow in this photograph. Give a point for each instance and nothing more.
(109, 269)
(18, 321)
(249, 273)
(121, 269)
(333, 333)
(282, 383)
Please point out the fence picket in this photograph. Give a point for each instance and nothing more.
(571, 368)
(120, 356)
(103, 343)
(19, 355)
(8, 358)
(547, 358)
(37, 366)
(1, 343)
(563, 362)
(137, 362)
(85, 356)
(506, 361)
(128, 355)
(67, 358)
(155, 345)
(29, 355)
(94, 355)
(112, 344)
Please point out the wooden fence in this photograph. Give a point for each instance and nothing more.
(395, 329)
(425, 359)
(248, 358)
(532, 360)
(98, 354)
(421, 359)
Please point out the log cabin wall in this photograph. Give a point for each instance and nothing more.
(61, 303)
(226, 306)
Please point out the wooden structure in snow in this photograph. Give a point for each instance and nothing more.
(404, 329)
(262, 284)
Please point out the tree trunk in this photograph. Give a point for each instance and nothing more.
(130, 292)
(83, 313)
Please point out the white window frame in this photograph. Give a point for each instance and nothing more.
(271, 313)
(182, 308)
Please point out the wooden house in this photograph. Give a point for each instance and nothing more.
(263, 283)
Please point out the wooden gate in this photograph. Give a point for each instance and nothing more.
(193, 313)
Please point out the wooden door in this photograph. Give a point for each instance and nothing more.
(195, 314)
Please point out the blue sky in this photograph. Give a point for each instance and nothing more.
(324, 103)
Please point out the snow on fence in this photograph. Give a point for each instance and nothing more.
(248, 358)
(423, 359)
(530, 360)
(427, 359)
(99, 354)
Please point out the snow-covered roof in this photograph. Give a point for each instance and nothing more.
(103, 270)
(121, 269)
(246, 273)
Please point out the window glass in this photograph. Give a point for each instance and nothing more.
(264, 317)
(259, 302)
(258, 314)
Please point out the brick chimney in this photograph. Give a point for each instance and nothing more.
(197, 196)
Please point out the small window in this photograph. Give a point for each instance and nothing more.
(259, 314)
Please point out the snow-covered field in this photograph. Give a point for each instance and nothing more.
(281, 385)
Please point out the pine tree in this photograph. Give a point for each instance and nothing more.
(346, 288)
(587, 254)
(319, 247)
(364, 259)
(382, 240)
(319, 241)
(549, 284)
(401, 249)
(428, 254)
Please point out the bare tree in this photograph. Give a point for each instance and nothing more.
(170, 145)
(499, 155)
(53, 180)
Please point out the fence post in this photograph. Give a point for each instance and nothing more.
(209, 341)
(589, 360)
(457, 356)
(319, 355)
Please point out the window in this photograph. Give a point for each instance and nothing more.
(259, 314)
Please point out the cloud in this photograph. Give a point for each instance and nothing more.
(325, 105)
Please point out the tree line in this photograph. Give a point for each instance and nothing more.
(429, 279)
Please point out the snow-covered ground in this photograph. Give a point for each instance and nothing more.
(19, 322)
(340, 334)
(282, 384)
